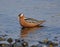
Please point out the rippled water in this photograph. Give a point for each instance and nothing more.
(48, 10)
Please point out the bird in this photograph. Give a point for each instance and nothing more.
(29, 22)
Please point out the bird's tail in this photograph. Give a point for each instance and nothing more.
(41, 22)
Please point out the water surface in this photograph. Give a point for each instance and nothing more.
(48, 10)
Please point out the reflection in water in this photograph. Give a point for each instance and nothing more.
(26, 31)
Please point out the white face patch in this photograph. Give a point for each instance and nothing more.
(21, 15)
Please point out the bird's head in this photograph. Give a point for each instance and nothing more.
(21, 15)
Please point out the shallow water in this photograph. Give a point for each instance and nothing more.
(48, 10)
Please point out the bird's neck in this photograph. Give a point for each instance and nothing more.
(22, 21)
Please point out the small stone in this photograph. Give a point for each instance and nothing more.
(33, 46)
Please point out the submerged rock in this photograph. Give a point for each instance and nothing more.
(34, 46)
(48, 43)
(2, 38)
(24, 43)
